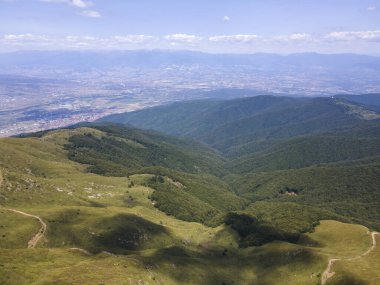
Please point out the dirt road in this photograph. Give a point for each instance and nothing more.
(34, 241)
(1, 179)
(328, 273)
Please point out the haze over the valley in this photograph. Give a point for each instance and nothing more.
(44, 90)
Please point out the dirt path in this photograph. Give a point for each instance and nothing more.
(34, 241)
(328, 273)
(81, 250)
(1, 179)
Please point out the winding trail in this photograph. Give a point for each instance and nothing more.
(328, 273)
(34, 241)
(1, 179)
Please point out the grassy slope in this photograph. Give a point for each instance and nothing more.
(365, 271)
(274, 263)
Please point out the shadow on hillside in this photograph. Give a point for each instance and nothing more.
(347, 278)
(306, 240)
(228, 266)
(119, 234)
(131, 232)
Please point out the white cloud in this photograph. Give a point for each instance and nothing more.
(120, 42)
(297, 37)
(234, 38)
(371, 8)
(79, 39)
(80, 3)
(183, 38)
(76, 3)
(88, 42)
(134, 39)
(90, 14)
(353, 36)
(226, 18)
(24, 38)
(30, 41)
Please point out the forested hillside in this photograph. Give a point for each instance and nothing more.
(233, 124)
(314, 152)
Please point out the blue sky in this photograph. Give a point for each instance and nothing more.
(239, 26)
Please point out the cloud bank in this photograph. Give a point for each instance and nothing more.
(184, 41)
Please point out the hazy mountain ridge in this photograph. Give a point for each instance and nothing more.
(231, 124)
(159, 58)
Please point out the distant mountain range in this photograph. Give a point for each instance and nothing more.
(158, 58)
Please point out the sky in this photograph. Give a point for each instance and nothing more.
(217, 26)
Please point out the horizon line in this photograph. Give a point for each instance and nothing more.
(183, 51)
